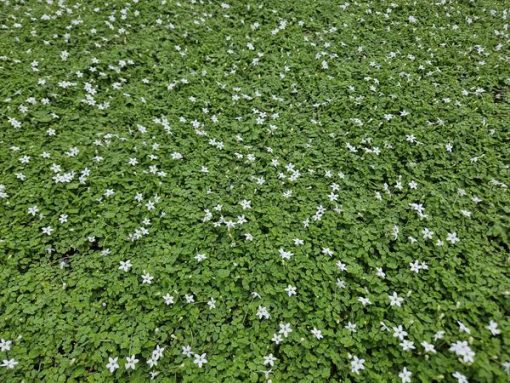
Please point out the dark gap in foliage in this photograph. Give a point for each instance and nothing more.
(498, 241)
(69, 253)
(499, 93)
(333, 370)
(95, 246)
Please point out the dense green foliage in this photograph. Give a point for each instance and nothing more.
(285, 191)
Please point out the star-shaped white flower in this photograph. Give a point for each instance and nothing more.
(428, 347)
(395, 300)
(125, 265)
(364, 301)
(9, 363)
(269, 360)
(47, 230)
(399, 332)
(357, 365)
(5, 345)
(263, 313)
(186, 350)
(285, 254)
(452, 238)
(131, 362)
(341, 266)
(169, 299)
(405, 375)
(200, 360)
(277, 338)
(245, 204)
(113, 364)
(493, 328)
(460, 378)
(317, 333)
(407, 345)
(285, 329)
(291, 290)
(157, 353)
(147, 278)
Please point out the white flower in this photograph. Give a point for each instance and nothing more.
(186, 350)
(277, 338)
(364, 301)
(291, 290)
(341, 266)
(357, 365)
(113, 364)
(269, 360)
(33, 210)
(298, 242)
(200, 257)
(125, 265)
(452, 238)
(263, 313)
(416, 266)
(427, 233)
(9, 363)
(407, 345)
(248, 237)
(285, 329)
(428, 347)
(157, 353)
(399, 332)
(47, 230)
(147, 278)
(169, 299)
(245, 204)
(460, 378)
(285, 254)
(317, 333)
(5, 345)
(493, 328)
(463, 328)
(200, 360)
(395, 300)
(405, 375)
(462, 350)
(152, 362)
(439, 335)
(131, 362)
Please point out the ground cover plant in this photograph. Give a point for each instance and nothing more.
(254, 191)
